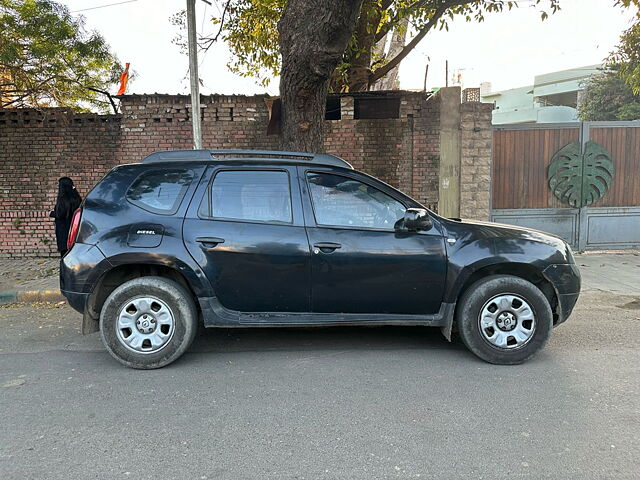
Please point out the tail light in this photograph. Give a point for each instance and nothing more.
(75, 227)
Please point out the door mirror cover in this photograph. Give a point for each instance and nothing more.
(417, 219)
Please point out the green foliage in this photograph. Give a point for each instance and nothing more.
(626, 57)
(628, 3)
(251, 34)
(48, 58)
(615, 94)
(249, 27)
(608, 98)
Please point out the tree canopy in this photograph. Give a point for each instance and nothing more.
(48, 58)
(249, 27)
(608, 98)
(614, 94)
(626, 56)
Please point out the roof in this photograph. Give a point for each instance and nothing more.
(172, 156)
(567, 75)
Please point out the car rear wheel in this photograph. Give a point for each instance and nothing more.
(148, 322)
(504, 319)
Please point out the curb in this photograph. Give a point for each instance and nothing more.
(30, 296)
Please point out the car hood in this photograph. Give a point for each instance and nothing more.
(479, 230)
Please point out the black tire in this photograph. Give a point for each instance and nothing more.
(479, 295)
(184, 314)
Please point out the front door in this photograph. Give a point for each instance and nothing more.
(245, 229)
(360, 263)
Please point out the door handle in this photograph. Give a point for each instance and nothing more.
(325, 247)
(210, 242)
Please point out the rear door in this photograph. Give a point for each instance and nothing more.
(245, 229)
(360, 262)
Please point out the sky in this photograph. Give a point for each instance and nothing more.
(508, 49)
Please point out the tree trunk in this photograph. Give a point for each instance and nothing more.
(360, 53)
(313, 37)
(390, 81)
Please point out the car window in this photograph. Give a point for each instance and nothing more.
(343, 201)
(262, 196)
(160, 191)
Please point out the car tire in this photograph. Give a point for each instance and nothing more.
(504, 319)
(148, 322)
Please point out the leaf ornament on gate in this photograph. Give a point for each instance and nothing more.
(598, 173)
(581, 179)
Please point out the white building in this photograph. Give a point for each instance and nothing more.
(553, 98)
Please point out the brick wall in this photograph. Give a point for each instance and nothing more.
(384, 148)
(162, 122)
(37, 147)
(403, 152)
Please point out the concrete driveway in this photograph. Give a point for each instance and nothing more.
(356, 403)
(617, 273)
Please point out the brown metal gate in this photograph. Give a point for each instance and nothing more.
(591, 194)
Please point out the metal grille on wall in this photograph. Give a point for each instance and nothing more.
(578, 180)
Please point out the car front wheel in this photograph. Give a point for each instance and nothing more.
(148, 322)
(504, 319)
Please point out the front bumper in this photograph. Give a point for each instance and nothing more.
(566, 281)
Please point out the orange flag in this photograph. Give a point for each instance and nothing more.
(124, 78)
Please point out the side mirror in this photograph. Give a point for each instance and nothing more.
(417, 219)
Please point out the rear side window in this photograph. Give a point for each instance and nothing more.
(160, 191)
(258, 196)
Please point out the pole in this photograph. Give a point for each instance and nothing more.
(446, 73)
(426, 72)
(193, 74)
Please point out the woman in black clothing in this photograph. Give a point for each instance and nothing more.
(67, 203)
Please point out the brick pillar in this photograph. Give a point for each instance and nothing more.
(475, 174)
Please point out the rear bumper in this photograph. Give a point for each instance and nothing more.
(80, 270)
(566, 281)
(76, 300)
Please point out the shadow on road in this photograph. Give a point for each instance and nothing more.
(320, 338)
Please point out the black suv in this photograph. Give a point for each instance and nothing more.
(238, 238)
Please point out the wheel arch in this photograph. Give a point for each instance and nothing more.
(122, 273)
(526, 271)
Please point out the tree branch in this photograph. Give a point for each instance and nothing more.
(113, 104)
(387, 27)
(27, 92)
(209, 41)
(378, 73)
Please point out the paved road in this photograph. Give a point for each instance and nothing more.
(355, 403)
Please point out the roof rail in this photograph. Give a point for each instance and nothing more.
(177, 156)
(208, 155)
